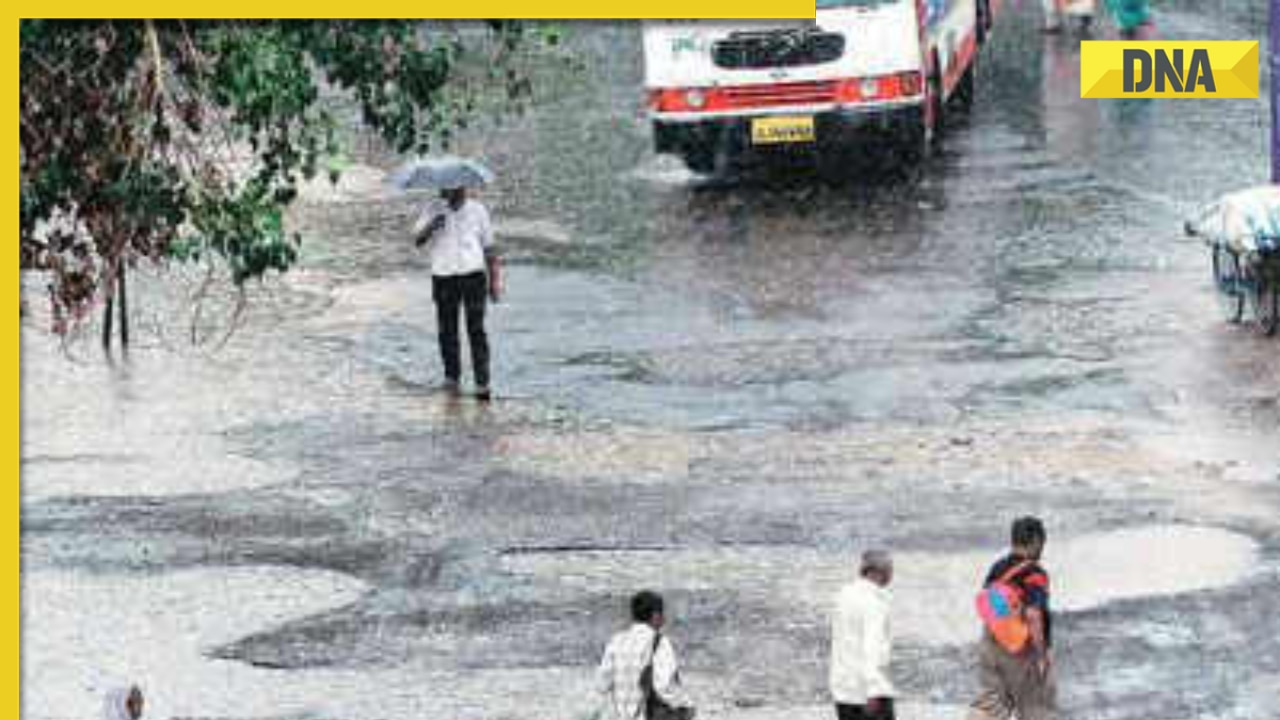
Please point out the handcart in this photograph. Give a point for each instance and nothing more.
(1242, 231)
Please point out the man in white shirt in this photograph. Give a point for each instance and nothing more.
(861, 642)
(462, 267)
(627, 656)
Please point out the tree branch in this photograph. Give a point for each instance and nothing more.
(157, 63)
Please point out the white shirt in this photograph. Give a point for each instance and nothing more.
(458, 248)
(861, 642)
(619, 675)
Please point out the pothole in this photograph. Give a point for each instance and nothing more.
(933, 591)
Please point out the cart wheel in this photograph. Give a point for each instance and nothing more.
(1227, 280)
(1266, 305)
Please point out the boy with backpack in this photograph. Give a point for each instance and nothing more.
(1015, 667)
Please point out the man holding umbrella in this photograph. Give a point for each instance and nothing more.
(464, 265)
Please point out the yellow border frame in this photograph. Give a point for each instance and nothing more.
(544, 10)
(13, 435)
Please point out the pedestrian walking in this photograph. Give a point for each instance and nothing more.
(1133, 17)
(861, 643)
(464, 275)
(123, 704)
(1052, 15)
(1015, 663)
(639, 675)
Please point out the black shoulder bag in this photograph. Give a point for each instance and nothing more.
(655, 708)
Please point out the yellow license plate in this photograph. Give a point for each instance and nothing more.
(781, 129)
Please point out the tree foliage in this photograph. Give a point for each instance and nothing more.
(174, 140)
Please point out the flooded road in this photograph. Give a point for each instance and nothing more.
(722, 389)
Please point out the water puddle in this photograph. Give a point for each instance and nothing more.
(137, 428)
(382, 300)
(83, 634)
(1088, 571)
(191, 466)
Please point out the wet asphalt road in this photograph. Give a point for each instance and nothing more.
(719, 388)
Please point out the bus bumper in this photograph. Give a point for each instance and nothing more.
(683, 135)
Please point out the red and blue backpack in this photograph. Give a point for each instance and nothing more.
(1001, 607)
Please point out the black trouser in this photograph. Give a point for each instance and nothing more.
(859, 712)
(468, 292)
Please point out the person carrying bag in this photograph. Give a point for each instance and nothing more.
(639, 675)
(655, 707)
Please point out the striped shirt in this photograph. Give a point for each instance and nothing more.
(625, 658)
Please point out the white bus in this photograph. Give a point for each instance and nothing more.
(718, 89)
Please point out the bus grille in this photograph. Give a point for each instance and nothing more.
(760, 50)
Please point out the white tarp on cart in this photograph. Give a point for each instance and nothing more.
(1240, 219)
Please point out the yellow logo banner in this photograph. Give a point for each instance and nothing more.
(472, 9)
(1158, 69)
